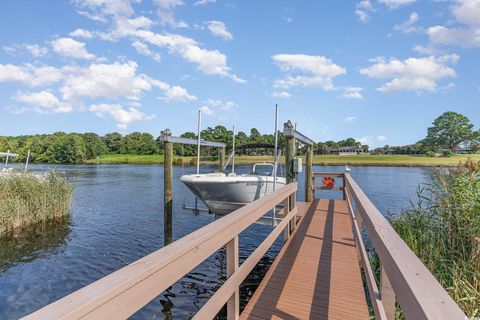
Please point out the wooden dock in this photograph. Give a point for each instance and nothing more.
(316, 275)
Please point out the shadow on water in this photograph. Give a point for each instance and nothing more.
(33, 242)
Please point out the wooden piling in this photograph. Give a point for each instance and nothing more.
(289, 155)
(167, 193)
(308, 174)
(221, 162)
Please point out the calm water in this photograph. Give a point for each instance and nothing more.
(117, 218)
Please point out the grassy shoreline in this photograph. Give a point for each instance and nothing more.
(326, 160)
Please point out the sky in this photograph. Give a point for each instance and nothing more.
(377, 70)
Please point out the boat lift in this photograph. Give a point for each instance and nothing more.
(166, 137)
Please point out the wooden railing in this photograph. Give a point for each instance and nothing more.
(331, 175)
(403, 277)
(122, 293)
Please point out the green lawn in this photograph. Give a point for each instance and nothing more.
(129, 158)
(372, 160)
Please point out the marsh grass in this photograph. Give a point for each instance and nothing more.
(443, 230)
(27, 199)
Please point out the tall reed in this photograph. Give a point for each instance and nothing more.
(443, 229)
(27, 199)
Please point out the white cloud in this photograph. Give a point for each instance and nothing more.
(280, 94)
(42, 102)
(36, 50)
(224, 105)
(409, 25)
(211, 62)
(178, 94)
(352, 93)
(349, 120)
(218, 29)
(466, 13)
(81, 33)
(463, 37)
(30, 74)
(166, 15)
(105, 80)
(368, 140)
(415, 74)
(98, 9)
(229, 105)
(69, 47)
(9, 50)
(316, 71)
(127, 27)
(122, 116)
(362, 10)
(393, 4)
(142, 48)
(204, 2)
(206, 110)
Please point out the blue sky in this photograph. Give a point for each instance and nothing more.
(378, 70)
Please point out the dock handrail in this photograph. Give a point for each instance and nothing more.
(403, 277)
(122, 293)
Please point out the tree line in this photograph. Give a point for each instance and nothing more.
(76, 148)
(451, 130)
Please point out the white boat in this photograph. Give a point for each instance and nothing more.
(223, 193)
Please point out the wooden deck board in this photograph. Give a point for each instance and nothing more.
(316, 275)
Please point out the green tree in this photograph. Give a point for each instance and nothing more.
(70, 148)
(114, 142)
(94, 144)
(139, 143)
(254, 135)
(449, 130)
(321, 148)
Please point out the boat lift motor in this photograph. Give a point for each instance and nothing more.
(297, 165)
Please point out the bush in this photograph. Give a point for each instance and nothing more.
(443, 229)
(447, 153)
(430, 154)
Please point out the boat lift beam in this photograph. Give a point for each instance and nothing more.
(167, 137)
(289, 131)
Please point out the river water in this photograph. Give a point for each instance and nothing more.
(117, 218)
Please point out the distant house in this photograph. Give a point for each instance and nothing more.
(346, 151)
(456, 151)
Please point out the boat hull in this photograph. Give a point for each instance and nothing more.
(223, 194)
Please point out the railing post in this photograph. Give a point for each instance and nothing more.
(345, 173)
(167, 191)
(313, 186)
(286, 210)
(387, 295)
(308, 174)
(233, 304)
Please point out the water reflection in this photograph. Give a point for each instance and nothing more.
(33, 242)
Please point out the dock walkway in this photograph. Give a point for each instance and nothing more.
(316, 275)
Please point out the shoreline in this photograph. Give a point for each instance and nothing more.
(318, 160)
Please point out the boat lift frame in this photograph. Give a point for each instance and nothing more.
(166, 137)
